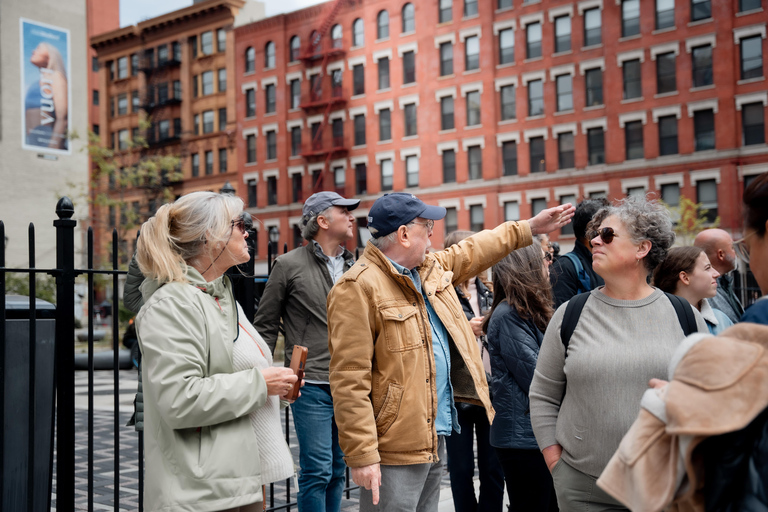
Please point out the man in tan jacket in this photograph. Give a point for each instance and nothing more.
(402, 350)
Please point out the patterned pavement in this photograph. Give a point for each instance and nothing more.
(103, 451)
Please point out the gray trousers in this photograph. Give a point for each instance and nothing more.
(410, 488)
(578, 492)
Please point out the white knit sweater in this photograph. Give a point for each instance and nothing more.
(250, 351)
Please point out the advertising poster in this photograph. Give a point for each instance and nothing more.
(45, 89)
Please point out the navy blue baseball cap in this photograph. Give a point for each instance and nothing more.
(321, 201)
(391, 211)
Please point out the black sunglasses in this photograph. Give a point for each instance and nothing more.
(547, 257)
(606, 235)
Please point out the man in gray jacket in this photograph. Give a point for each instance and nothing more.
(296, 293)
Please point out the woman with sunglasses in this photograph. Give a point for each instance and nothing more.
(211, 395)
(584, 398)
(522, 307)
(688, 273)
(753, 248)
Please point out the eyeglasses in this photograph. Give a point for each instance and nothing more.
(742, 249)
(548, 257)
(239, 224)
(606, 235)
(430, 224)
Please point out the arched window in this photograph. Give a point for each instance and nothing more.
(269, 55)
(358, 33)
(295, 48)
(250, 60)
(314, 42)
(336, 36)
(409, 18)
(382, 25)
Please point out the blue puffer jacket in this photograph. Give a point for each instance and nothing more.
(513, 344)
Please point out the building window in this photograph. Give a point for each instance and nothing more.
(706, 196)
(177, 127)
(250, 142)
(337, 129)
(445, 12)
(446, 59)
(475, 159)
(272, 190)
(385, 124)
(509, 158)
(386, 174)
(670, 194)
(358, 33)
(535, 98)
(250, 60)
(593, 79)
(538, 205)
(667, 135)
(382, 25)
(206, 43)
(701, 58)
(122, 68)
(149, 56)
(704, 129)
(269, 55)
(296, 195)
(701, 9)
(748, 5)
(533, 40)
(195, 92)
(567, 230)
(122, 104)
(317, 136)
(222, 79)
(207, 83)
(271, 145)
(632, 82)
(596, 146)
(295, 93)
(195, 165)
(317, 181)
(473, 108)
(537, 155)
(222, 119)
(593, 24)
(208, 121)
(630, 17)
(251, 193)
(564, 86)
(470, 8)
(295, 48)
(451, 220)
(565, 156)
(197, 124)
(508, 105)
(409, 67)
(383, 73)
(95, 129)
(507, 46)
(753, 123)
(633, 134)
(562, 34)
(358, 80)
(449, 166)
(270, 100)
(511, 211)
(410, 120)
(408, 18)
(176, 50)
(665, 14)
(162, 93)
(250, 103)
(471, 53)
(339, 179)
(177, 89)
(665, 73)
(221, 40)
(412, 171)
(359, 130)
(222, 160)
(361, 179)
(751, 57)
(134, 64)
(208, 163)
(95, 97)
(162, 54)
(336, 36)
(296, 141)
(476, 218)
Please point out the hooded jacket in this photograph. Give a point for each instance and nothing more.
(201, 451)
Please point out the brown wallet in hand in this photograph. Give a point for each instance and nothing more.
(298, 361)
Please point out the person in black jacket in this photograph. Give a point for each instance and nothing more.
(522, 308)
(475, 298)
(568, 281)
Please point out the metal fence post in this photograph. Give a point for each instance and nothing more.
(65, 354)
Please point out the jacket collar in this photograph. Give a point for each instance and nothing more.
(707, 313)
(349, 258)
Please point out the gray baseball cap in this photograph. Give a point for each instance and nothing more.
(320, 201)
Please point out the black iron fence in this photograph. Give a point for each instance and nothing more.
(43, 421)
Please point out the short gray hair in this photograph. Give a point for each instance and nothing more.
(644, 220)
(383, 243)
(310, 227)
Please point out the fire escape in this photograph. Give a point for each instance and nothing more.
(326, 95)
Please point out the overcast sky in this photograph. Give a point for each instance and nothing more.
(134, 11)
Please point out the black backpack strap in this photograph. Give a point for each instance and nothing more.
(684, 313)
(571, 318)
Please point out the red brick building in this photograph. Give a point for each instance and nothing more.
(497, 110)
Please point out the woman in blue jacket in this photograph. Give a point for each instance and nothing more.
(522, 307)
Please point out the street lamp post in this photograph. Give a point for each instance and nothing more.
(274, 237)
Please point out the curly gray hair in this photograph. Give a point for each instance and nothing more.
(309, 225)
(644, 220)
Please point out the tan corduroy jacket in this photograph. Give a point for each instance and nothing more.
(717, 385)
(382, 370)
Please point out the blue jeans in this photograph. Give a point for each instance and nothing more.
(321, 472)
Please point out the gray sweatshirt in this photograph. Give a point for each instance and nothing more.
(617, 347)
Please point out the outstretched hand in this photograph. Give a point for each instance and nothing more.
(552, 219)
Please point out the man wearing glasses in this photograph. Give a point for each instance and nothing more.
(402, 350)
(718, 245)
